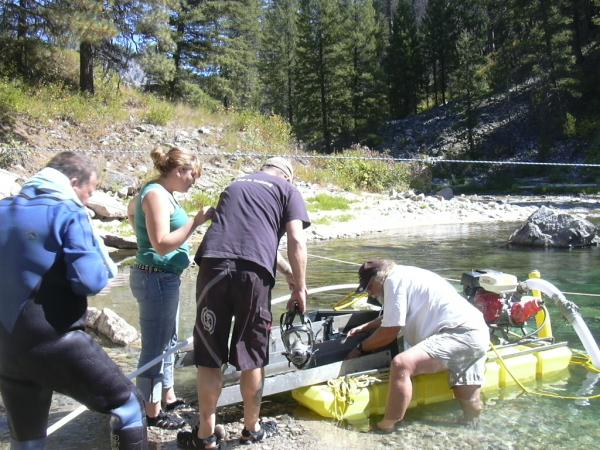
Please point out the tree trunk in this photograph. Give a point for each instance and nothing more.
(177, 61)
(324, 105)
(577, 32)
(290, 95)
(21, 38)
(86, 67)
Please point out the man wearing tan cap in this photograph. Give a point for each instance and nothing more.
(237, 261)
(441, 330)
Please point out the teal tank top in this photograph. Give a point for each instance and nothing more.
(175, 261)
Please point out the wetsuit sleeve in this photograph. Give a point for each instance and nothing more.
(85, 268)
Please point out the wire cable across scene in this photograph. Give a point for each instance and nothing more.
(249, 154)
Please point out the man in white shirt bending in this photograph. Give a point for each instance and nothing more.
(442, 331)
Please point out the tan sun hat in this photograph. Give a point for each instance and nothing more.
(282, 164)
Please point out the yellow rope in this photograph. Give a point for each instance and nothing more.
(583, 359)
(542, 393)
(345, 389)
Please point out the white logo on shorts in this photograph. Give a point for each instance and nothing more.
(208, 320)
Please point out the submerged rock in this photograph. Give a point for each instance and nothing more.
(548, 228)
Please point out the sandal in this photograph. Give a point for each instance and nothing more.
(267, 429)
(166, 421)
(175, 405)
(190, 439)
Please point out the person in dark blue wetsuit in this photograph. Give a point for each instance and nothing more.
(51, 261)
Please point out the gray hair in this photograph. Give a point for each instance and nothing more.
(383, 272)
(73, 165)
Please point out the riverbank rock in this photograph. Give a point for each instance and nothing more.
(111, 326)
(548, 228)
(120, 242)
(106, 206)
(8, 183)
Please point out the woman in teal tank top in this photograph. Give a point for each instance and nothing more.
(162, 229)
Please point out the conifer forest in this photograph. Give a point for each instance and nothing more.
(334, 69)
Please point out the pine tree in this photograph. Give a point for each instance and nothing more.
(155, 44)
(366, 76)
(325, 68)
(439, 36)
(222, 47)
(278, 59)
(468, 82)
(404, 64)
(544, 35)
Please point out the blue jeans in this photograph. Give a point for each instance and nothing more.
(157, 294)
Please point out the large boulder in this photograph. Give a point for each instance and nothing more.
(110, 325)
(547, 228)
(106, 206)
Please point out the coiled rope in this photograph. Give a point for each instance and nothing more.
(346, 389)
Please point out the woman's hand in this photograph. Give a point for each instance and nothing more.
(205, 214)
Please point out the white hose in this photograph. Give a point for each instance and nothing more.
(333, 287)
(573, 316)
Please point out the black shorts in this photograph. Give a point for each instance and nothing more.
(229, 289)
(35, 360)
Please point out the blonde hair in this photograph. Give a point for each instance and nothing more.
(167, 157)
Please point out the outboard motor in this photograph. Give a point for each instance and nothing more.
(298, 339)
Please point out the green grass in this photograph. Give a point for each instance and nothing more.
(125, 229)
(200, 200)
(60, 102)
(327, 220)
(158, 112)
(326, 202)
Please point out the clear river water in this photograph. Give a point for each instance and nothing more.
(510, 421)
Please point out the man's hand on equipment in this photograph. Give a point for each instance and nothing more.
(297, 300)
(354, 353)
(356, 330)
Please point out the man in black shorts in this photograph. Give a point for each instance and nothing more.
(237, 261)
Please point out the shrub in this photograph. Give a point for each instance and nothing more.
(8, 157)
(327, 202)
(570, 126)
(252, 131)
(375, 175)
(158, 112)
(199, 200)
(360, 171)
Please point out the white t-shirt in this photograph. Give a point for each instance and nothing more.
(423, 303)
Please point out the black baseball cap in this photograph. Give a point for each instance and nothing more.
(366, 272)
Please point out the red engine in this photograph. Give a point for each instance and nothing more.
(493, 305)
(522, 311)
(490, 304)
